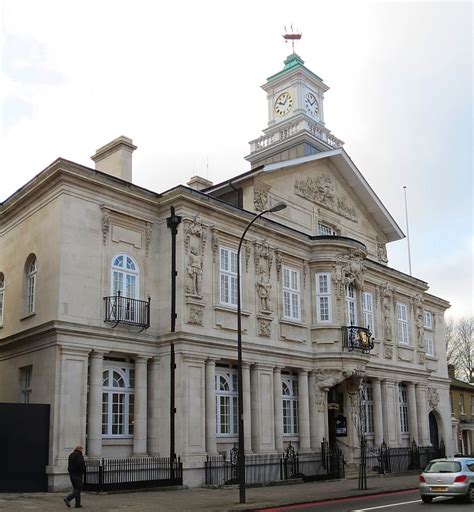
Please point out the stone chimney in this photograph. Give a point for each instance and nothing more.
(115, 158)
(451, 371)
(198, 183)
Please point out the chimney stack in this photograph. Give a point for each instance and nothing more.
(198, 183)
(451, 371)
(115, 158)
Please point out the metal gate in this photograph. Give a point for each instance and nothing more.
(24, 433)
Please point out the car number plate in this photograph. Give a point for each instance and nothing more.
(439, 489)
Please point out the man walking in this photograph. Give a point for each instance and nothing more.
(76, 468)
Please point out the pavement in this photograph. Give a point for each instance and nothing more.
(210, 500)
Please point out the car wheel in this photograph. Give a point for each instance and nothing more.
(427, 499)
(470, 494)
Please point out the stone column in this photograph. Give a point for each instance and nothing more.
(139, 435)
(94, 435)
(378, 418)
(390, 409)
(303, 409)
(313, 414)
(412, 412)
(247, 407)
(211, 447)
(422, 415)
(278, 409)
(153, 405)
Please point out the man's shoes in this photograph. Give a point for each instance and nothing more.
(78, 506)
(67, 502)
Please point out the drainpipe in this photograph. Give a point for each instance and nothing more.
(172, 222)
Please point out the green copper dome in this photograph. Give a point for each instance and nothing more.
(292, 62)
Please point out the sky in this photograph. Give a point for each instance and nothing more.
(182, 79)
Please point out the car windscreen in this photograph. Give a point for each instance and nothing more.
(443, 466)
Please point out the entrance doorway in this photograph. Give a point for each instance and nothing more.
(434, 435)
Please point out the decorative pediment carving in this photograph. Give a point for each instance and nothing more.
(322, 191)
(328, 377)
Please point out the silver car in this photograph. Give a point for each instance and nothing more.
(452, 477)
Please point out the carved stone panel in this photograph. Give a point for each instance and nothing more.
(264, 327)
(195, 313)
(321, 190)
(433, 398)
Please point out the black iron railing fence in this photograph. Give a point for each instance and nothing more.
(223, 470)
(383, 459)
(123, 310)
(132, 473)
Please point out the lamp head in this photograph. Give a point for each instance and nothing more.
(277, 207)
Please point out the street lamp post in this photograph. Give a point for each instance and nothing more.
(241, 457)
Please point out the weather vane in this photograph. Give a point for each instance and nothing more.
(292, 35)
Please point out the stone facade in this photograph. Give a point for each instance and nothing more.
(93, 336)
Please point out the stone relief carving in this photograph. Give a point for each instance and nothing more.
(278, 262)
(388, 352)
(105, 223)
(382, 252)
(421, 357)
(214, 242)
(322, 191)
(148, 233)
(387, 298)
(194, 243)
(264, 327)
(195, 315)
(420, 329)
(263, 291)
(433, 397)
(328, 377)
(260, 200)
(320, 399)
(248, 251)
(349, 269)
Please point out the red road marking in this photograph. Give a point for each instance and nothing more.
(335, 500)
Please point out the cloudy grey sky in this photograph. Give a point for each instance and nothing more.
(182, 80)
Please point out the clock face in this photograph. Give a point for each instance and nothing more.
(283, 103)
(311, 104)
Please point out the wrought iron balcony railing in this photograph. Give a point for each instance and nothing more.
(123, 310)
(357, 338)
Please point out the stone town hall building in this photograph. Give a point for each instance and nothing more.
(85, 302)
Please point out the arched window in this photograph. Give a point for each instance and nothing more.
(124, 277)
(31, 273)
(289, 391)
(118, 401)
(226, 403)
(2, 296)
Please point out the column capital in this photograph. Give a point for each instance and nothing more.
(302, 371)
(246, 365)
(277, 369)
(97, 354)
(141, 359)
(155, 360)
(210, 362)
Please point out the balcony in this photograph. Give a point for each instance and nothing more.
(357, 338)
(123, 310)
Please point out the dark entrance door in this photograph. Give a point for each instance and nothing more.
(434, 437)
(332, 427)
(24, 432)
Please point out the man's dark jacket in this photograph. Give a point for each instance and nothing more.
(76, 464)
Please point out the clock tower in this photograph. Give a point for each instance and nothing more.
(296, 126)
